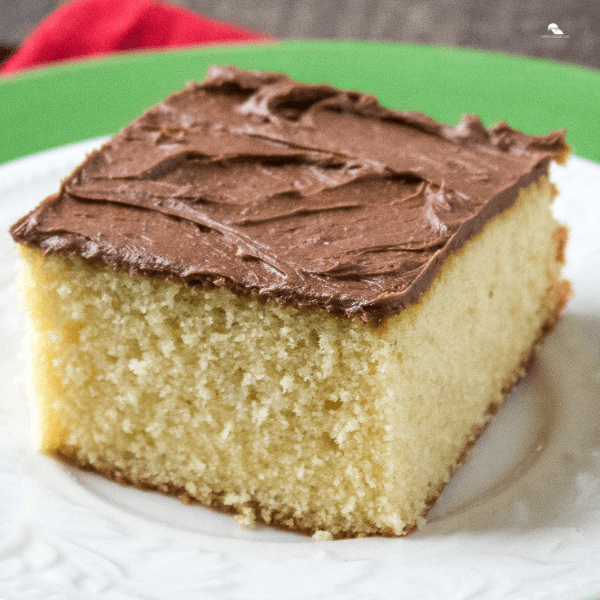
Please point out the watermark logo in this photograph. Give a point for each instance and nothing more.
(555, 32)
(554, 28)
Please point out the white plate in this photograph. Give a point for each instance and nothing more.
(520, 521)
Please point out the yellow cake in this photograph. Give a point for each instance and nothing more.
(289, 302)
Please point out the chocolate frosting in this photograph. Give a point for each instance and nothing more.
(304, 194)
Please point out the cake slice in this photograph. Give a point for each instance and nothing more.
(288, 302)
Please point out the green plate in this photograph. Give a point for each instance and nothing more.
(50, 107)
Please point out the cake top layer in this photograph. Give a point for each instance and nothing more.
(304, 194)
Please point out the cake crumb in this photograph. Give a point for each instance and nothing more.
(246, 518)
(322, 536)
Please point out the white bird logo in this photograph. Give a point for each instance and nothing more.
(555, 29)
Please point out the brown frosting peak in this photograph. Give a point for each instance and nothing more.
(304, 194)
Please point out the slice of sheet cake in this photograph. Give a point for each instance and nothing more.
(289, 302)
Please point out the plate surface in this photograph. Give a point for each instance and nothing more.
(520, 521)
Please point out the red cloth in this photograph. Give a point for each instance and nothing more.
(93, 27)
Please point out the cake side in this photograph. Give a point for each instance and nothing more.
(233, 402)
(464, 351)
(291, 417)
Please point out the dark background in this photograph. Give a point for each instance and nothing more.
(515, 26)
